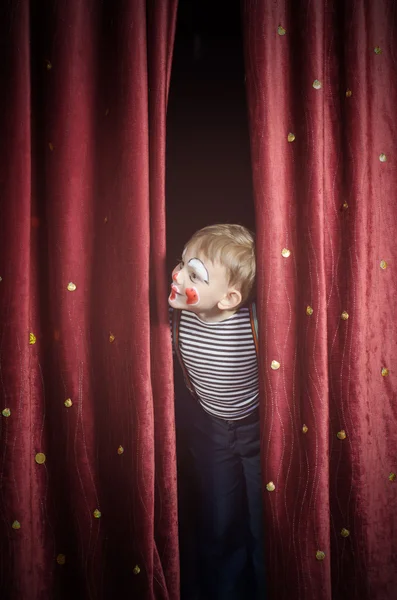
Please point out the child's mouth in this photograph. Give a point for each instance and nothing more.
(174, 292)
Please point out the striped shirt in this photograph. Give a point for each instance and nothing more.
(220, 359)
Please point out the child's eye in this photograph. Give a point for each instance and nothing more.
(193, 276)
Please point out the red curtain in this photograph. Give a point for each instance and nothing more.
(87, 451)
(322, 95)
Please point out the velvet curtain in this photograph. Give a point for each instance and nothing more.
(322, 96)
(87, 450)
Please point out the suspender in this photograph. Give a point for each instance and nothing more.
(176, 317)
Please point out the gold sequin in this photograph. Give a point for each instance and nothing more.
(97, 513)
(291, 137)
(382, 157)
(317, 84)
(136, 570)
(378, 50)
(105, 220)
(61, 559)
(40, 458)
(1, 279)
(270, 486)
(345, 533)
(341, 435)
(72, 286)
(48, 65)
(51, 146)
(111, 338)
(344, 316)
(6, 412)
(120, 450)
(345, 206)
(305, 428)
(392, 477)
(32, 338)
(281, 30)
(275, 365)
(348, 93)
(285, 252)
(107, 111)
(383, 264)
(68, 402)
(309, 311)
(16, 525)
(384, 371)
(320, 555)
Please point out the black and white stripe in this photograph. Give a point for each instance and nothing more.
(221, 361)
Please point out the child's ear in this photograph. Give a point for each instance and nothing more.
(231, 300)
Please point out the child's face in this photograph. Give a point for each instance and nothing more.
(199, 285)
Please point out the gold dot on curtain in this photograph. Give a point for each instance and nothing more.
(120, 450)
(136, 570)
(105, 220)
(51, 146)
(341, 435)
(40, 458)
(270, 486)
(72, 286)
(345, 206)
(16, 525)
(32, 338)
(382, 157)
(291, 137)
(111, 338)
(349, 93)
(48, 65)
(309, 311)
(317, 84)
(344, 316)
(281, 30)
(320, 555)
(68, 402)
(285, 252)
(392, 477)
(1, 279)
(305, 428)
(97, 513)
(378, 50)
(61, 559)
(6, 412)
(345, 533)
(107, 111)
(384, 371)
(275, 365)
(383, 264)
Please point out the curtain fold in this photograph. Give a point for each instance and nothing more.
(88, 476)
(322, 93)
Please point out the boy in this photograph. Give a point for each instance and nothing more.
(214, 336)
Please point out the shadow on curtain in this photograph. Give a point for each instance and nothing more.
(87, 462)
(322, 93)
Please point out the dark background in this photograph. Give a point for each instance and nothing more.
(208, 180)
(208, 153)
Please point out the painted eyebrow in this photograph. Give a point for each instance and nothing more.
(200, 269)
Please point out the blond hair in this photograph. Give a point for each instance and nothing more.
(233, 246)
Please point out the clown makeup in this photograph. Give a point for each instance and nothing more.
(198, 266)
(193, 297)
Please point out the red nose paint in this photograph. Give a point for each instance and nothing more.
(192, 297)
(174, 277)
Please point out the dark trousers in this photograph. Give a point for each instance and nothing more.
(220, 505)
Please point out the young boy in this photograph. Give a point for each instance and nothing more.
(214, 336)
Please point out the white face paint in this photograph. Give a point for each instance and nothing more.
(198, 266)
